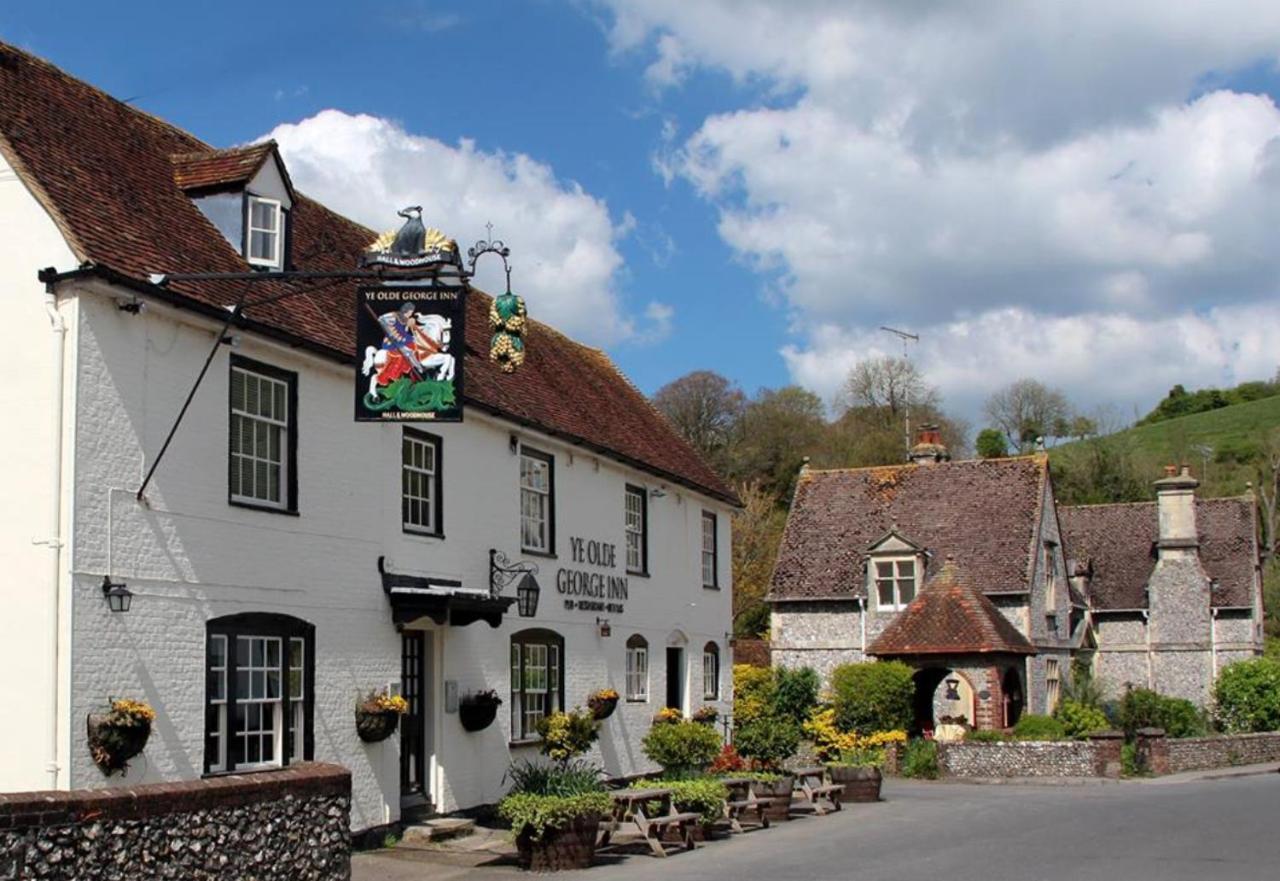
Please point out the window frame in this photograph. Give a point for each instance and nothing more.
(637, 648)
(1051, 588)
(219, 714)
(289, 458)
(436, 481)
(276, 262)
(711, 658)
(550, 461)
(1052, 685)
(554, 643)
(709, 517)
(633, 491)
(897, 579)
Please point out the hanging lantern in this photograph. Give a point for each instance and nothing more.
(527, 596)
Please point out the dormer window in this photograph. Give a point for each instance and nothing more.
(265, 240)
(895, 583)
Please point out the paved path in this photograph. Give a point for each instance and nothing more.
(1220, 829)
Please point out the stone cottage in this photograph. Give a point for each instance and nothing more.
(961, 569)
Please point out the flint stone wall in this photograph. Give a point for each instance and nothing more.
(291, 823)
(1025, 758)
(1199, 753)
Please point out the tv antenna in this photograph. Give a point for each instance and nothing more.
(906, 389)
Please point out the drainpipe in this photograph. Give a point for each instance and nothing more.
(1146, 626)
(862, 624)
(1213, 645)
(54, 540)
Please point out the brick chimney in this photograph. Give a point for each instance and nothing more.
(1176, 512)
(929, 448)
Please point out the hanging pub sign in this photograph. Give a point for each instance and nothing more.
(411, 340)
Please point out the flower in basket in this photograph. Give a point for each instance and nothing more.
(384, 702)
(120, 734)
(668, 716)
(130, 712)
(707, 715)
(602, 702)
(488, 698)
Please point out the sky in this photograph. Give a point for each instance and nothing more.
(1082, 192)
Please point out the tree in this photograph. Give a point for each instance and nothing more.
(705, 408)
(757, 532)
(991, 444)
(1269, 489)
(890, 385)
(1028, 409)
(778, 429)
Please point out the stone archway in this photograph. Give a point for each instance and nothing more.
(941, 692)
(1014, 696)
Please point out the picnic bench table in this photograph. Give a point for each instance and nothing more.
(743, 799)
(812, 787)
(629, 807)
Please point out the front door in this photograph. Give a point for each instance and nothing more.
(675, 678)
(414, 789)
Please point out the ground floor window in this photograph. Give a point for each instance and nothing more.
(259, 678)
(711, 672)
(637, 669)
(537, 683)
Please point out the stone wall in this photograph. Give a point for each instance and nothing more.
(277, 824)
(1066, 758)
(1195, 753)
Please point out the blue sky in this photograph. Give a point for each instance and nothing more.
(755, 187)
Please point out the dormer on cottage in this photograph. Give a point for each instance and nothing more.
(246, 194)
(894, 568)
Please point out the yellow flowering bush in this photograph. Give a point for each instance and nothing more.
(848, 747)
(567, 735)
(753, 692)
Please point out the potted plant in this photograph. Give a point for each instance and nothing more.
(602, 702)
(119, 734)
(706, 715)
(555, 810)
(768, 742)
(477, 711)
(681, 748)
(567, 735)
(378, 715)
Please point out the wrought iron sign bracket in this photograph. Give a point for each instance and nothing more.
(490, 246)
(502, 572)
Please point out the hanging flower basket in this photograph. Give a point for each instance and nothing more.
(707, 715)
(118, 735)
(477, 711)
(378, 715)
(602, 703)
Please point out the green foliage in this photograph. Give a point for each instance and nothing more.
(770, 692)
(873, 696)
(567, 735)
(682, 747)
(985, 735)
(1079, 720)
(698, 795)
(1180, 402)
(539, 814)
(768, 741)
(1129, 766)
(753, 692)
(567, 778)
(1097, 471)
(991, 444)
(1248, 696)
(1144, 708)
(920, 759)
(1084, 688)
(1033, 727)
(795, 693)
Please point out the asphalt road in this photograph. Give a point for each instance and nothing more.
(1211, 829)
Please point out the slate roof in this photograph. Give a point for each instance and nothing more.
(984, 513)
(1118, 542)
(105, 172)
(950, 615)
(210, 170)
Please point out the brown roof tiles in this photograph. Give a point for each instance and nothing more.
(208, 170)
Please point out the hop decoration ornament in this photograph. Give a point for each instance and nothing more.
(507, 319)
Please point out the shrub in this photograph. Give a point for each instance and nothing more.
(1033, 727)
(753, 692)
(541, 813)
(1129, 766)
(920, 759)
(568, 778)
(828, 740)
(1144, 708)
(1084, 688)
(701, 795)
(768, 742)
(567, 735)
(873, 696)
(681, 747)
(1078, 720)
(1248, 696)
(728, 761)
(985, 735)
(795, 693)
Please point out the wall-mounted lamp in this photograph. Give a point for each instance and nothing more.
(657, 492)
(119, 597)
(513, 444)
(953, 689)
(232, 339)
(603, 628)
(502, 573)
(133, 306)
(527, 596)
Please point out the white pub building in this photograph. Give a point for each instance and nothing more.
(284, 559)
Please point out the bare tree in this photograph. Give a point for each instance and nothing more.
(705, 408)
(886, 384)
(1027, 409)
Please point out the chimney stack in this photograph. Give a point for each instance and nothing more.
(929, 447)
(1176, 512)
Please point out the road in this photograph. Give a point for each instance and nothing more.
(1211, 829)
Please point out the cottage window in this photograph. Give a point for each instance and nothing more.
(637, 530)
(537, 502)
(258, 682)
(895, 583)
(263, 437)
(710, 552)
(420, 496)
(265, 239)
(537, 683)
(637, 669)
(1050, 579)
(711, 672)
(1052, 685)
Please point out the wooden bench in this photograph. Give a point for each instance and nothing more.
(743, 800)
(629, 807)
(811, 787)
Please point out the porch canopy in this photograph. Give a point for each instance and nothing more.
(444, 601)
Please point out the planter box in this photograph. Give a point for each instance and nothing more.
(860, 784)
(376, 727)
(573, 847)
(782, 790)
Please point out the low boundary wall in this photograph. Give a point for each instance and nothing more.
(1097, 757)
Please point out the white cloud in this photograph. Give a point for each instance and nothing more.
(1059, 171)
(564, 242)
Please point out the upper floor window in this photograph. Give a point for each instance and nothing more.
(637, 530)
(895, 583)
(263, 436)
(1052, 683)
(637, 668)
(259, 678)
(1050, 578)
(420, 483)
(537, 502)
(264, 232)
(710, 551)
(711, 672)
(537, 684)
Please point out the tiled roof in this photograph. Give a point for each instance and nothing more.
(1118, 542)
(983, 513)
(105, 173)
(949, 616)
(217, 169)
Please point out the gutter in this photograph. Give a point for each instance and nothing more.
(53, 541)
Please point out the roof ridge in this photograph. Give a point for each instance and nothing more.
(1039, 458)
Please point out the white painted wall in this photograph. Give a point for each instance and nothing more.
(29, 240)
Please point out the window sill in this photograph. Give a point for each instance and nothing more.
(638, 573)
(269, 509)
(710, 587)
(421, 533)
(637, 700)
(528, 741)
(546, 555)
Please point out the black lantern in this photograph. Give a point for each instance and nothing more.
(953, 689)
(119, 597)
(527, 596)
